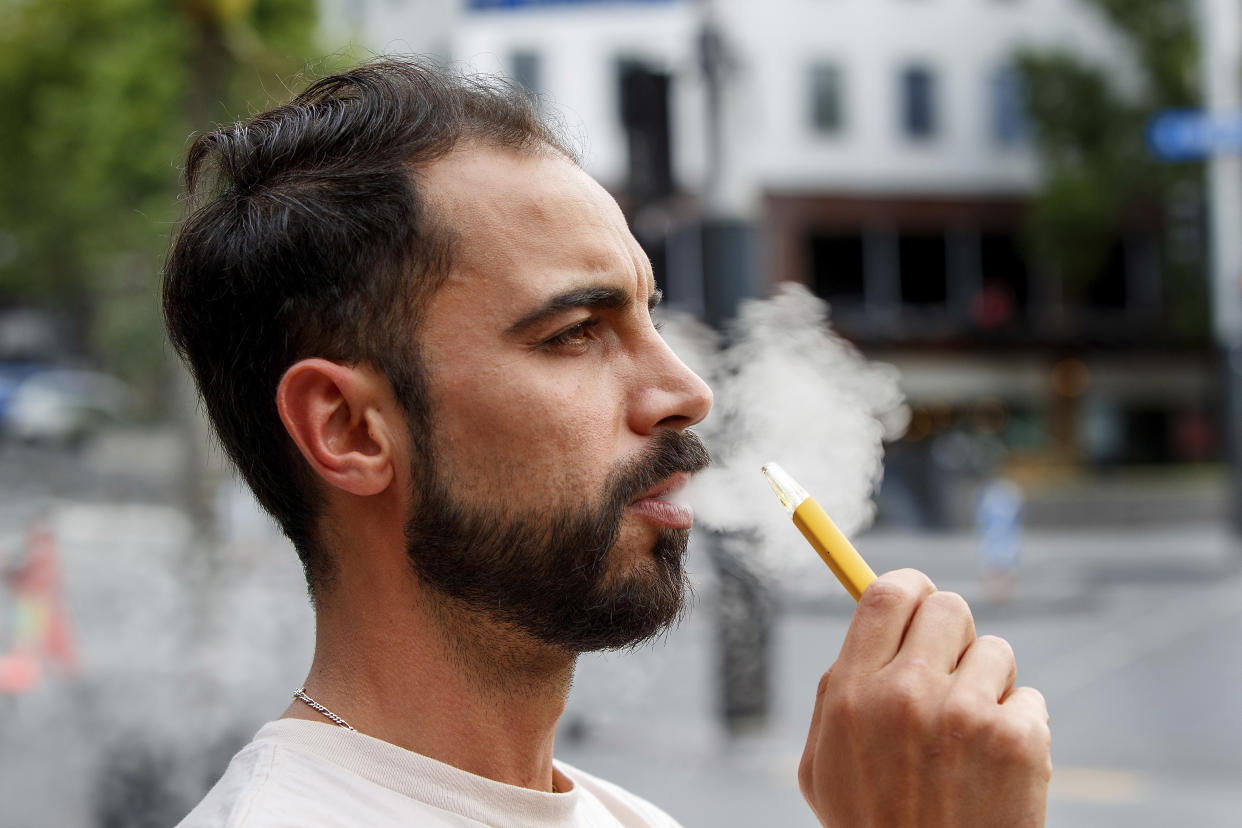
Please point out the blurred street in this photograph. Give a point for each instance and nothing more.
(1134, 634)
(974, 264)
(1134, 637)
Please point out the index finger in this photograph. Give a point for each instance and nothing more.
(882, 618)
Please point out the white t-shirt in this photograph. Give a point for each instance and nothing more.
(304, 774)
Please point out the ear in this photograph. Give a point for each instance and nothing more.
(342, 419)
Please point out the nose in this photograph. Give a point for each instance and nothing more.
(668, 394)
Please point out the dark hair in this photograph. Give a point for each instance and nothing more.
(308, 235)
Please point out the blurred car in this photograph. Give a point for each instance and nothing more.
(59, 406)
(12, 374)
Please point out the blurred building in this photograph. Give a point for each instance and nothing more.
(877, 151)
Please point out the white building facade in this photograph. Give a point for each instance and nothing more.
(892, 96)
(877, 150)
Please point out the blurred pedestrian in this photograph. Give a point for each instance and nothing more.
(41, 631)
(998, 517)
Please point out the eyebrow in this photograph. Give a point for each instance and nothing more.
(602, 298)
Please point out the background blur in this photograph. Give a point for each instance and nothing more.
(974, 187)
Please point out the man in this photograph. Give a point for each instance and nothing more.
(424, 336)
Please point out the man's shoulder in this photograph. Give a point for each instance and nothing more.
(628, 808)
(269, 784)
(247, 781)
(297, 773)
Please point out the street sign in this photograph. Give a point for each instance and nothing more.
(1190, 134)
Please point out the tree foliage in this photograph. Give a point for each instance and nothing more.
(1100, 180)
(99, 98)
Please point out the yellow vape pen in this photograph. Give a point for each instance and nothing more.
(810, 518)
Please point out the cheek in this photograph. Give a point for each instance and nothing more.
(514, 436)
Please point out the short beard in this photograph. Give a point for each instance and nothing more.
(549, 575)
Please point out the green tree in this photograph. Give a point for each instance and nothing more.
(1100, 180)
(99, 98)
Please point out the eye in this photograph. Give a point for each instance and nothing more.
(575, 336)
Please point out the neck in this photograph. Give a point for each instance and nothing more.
(439, 681)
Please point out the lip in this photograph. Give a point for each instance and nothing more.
(654, 505)
(671, 485)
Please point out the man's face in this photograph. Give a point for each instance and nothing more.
(558, 414)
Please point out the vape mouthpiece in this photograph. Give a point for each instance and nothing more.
(813, 522)
(787, 489)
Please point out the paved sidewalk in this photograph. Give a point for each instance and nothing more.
(1135, 635)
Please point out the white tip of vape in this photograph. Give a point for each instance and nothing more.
(787, 489)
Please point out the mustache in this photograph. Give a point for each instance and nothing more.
(670, 452)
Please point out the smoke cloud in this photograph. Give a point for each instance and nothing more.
(790, 390)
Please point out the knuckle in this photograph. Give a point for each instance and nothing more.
(917, 579)
(806, 773)
(950, 601)
(951, 609)
(841, 708)
(1042, 703)
(997, 643)
(904, 694)
(822, 688)
(1020, 741)
(886, 594)
(960, 717)
(1044, 739)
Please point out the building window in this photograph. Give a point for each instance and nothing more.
(837, 267)
(918, 102)
(1003, 294)
(923, 263)
(827, 99)
(524, 68)
(1107, 289)
(645, 95)
(1008, 107)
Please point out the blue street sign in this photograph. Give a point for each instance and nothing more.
(1189, 134)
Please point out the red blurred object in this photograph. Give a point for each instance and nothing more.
(992, 306)
(1195, 437)
(19, 672)
(41, 623)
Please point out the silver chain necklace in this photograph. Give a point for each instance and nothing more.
(300, 695)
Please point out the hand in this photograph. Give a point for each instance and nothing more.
(918, 722)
